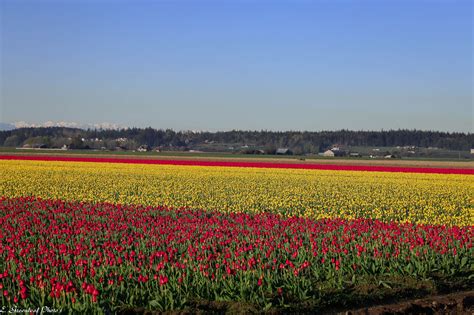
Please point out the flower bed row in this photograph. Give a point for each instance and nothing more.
(428, 170)
(86, 256)
(417, 198)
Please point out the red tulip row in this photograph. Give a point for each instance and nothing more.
(86, 256)
(333, 167)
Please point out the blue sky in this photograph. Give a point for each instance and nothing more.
(220, 65)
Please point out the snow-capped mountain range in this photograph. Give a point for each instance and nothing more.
(24, 124)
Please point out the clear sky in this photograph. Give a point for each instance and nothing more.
(220, 65)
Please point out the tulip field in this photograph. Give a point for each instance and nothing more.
(102, 237)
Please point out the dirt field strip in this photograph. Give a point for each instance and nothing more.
(454, 303)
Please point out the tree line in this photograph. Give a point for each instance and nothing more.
(298, 141)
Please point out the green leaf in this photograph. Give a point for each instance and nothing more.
(384, 284)
(267, 307)
(463, 262)
(155, 304)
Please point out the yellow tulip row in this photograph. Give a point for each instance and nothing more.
(418, 198)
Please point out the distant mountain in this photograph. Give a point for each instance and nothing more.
(67, 124)
(6, 126)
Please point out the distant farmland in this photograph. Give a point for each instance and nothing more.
(101, 235)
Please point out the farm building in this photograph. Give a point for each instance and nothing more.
(143, 148)
(333, 153)
(329, 153)
(283, 151)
